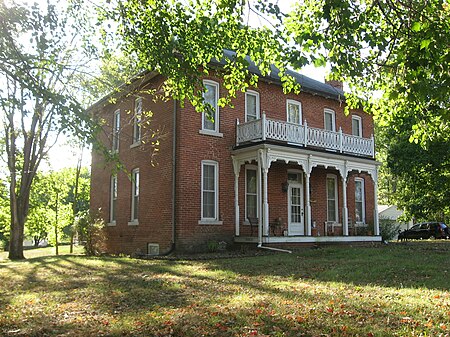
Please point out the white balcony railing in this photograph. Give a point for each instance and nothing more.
(303, 135)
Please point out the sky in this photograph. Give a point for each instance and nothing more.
(63, 155)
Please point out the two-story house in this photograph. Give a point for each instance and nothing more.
(273, 169)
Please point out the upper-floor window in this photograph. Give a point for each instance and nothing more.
(210, 187)
(360, 207)
(294, 111)
(329, 120)
(113, 199)
(210, 118)
(356, 126)
(134, 194)
(116, 130)
(251, 192)
(332, 198)
(251, 106)
(137, 120)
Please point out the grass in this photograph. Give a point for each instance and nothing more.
(39, 252)
(394, 290)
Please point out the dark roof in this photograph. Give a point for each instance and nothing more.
(307, 84)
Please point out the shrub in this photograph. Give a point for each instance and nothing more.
(388, 228)
(91, 232)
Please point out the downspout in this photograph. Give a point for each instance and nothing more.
(174, 176)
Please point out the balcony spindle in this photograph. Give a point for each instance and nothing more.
(237, 132)
(373, 145)
(306, 133)
(340, 140)
(263, 126)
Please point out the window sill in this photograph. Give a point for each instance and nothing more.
(210, 222)
(135, 144)
(210, 133)
(111, 224)
(133, 223)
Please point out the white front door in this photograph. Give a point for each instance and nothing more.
(295, 196)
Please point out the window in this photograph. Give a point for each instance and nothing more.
(137, 120)
(332, 200)
(135, 195)
(294, 111)
(113, 200)
(251, 106)
(360, 206)
(251, 193)
(356, 126)
(116, 131)
(211, 115)
(210, 200)
(329, 120)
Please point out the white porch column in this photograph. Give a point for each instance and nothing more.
(237, 168)
(260, 200)
(264, 164)
(376, 223)
(344, 208)
(308, 205)
(265, 202)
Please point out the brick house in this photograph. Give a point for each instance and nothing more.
(274, 169)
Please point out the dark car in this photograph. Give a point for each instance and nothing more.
(426, 230)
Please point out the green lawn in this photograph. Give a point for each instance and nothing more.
(32, 253)
(393, 290)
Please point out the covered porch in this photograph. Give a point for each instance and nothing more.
(289, 195)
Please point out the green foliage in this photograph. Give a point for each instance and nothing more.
(40, 53)
(418, 177)
(55, 192)
(388, 228)
(399, 49)
(91, 231)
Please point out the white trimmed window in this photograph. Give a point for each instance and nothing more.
(137, 118)
(210, 118)
(356, 126)
(116, 131)
(251, 192)
(135, 195)
(210, 188)
(113, 200)
(294, 111)
(251, 106)
(332, 198)
(360, 207)
(329, 120)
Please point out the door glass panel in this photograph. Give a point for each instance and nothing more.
(295, 205)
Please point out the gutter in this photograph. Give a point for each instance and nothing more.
(174, 176)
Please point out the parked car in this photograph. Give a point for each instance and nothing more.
(425, 230)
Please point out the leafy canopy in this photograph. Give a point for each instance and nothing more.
(398, 49)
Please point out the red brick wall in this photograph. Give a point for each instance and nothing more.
(155, 168)
(193, 147)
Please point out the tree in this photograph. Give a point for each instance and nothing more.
(398, 48)
(4, 214)
(422, 174)
(39, 56)
(56, 200)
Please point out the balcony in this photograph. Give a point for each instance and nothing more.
(302, 135)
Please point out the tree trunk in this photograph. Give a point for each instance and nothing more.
(56, 225)
(16, 240)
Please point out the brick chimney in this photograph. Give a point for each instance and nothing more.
(336, 84)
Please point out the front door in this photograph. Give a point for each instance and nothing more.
(296, 224)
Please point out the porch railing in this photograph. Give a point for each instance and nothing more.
(303, 135)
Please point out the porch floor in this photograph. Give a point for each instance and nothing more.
(307, 239)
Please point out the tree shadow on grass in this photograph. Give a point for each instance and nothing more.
(397, 265)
